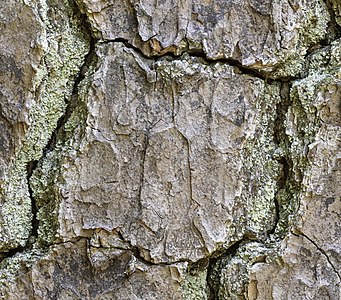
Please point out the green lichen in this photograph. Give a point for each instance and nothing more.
(315, 24)
(337, 10)
(230, 274)
(262, 168)
(47, 179)
(291, 65)
(10, 268)
(313, 27)
(64, 54)
(302, 123)
(195, 286)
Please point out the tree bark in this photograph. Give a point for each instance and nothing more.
(184, 149)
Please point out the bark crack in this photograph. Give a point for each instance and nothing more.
(334, 29)
(322, 252)
(200, 55)
(137, 253)
(285, 182)
(58, 134)
(31, 166)
(143, 162)
(214, 266)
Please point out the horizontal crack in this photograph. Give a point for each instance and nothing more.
(199, 54)
(137, 253)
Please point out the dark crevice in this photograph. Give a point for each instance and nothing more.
(283, 157)
(137, 253)
(240, 68)
(334, 29)
(12, 252)
(200, 54)
(277, 214)
(34, 208)
(231, 62)
(58, 134)
(333, 33)
(126, 43)
(214, 266)
(321, 251)
(280, 137)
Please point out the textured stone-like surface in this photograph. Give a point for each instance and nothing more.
(19, 58)
(310, 257)
(272, 36)
(304, 272)
(321, 198)
(101, 274)
(157, 160)
(155, 119)
(41, 65)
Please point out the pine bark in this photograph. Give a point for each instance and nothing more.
(184, 149)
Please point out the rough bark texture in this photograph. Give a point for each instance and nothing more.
(184, 149)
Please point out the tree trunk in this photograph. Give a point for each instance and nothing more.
(184, 149)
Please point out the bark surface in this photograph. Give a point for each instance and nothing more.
(184, 149)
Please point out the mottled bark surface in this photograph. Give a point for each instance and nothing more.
(170, 149)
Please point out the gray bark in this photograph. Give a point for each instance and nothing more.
(170, 149)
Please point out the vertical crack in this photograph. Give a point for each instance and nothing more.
(144, 155)
(285, 182)
(31, 166)
(287, 191)
(59, 135)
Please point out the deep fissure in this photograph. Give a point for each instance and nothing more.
(57, 135)
(334, 29)
(35, 222)
(200, 55)
(282, 141)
